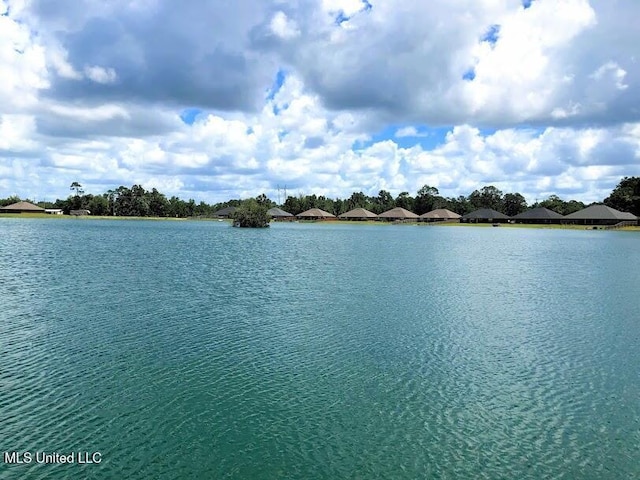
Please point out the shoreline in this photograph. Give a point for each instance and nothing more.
(328, 222)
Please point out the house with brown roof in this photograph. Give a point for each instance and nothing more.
(21, 207)
(399, 214)
(315, 214)
(358, 214)
(440, 215)
(279, 214)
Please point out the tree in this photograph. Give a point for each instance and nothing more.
(9, 200)
(426, 199)
(262, 199)
(157, 203)
(357, 200)
(558, 205)
(626, 196)
(77, 187)
(98, 205)
(293, 205)
(383, 202)
(404, 200)
(460, 205)
(251, 214)
(487, 197)
(514, 203)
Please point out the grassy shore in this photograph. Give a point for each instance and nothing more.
(322, 222)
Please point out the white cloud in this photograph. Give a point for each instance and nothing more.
(410, 131)
(614, 72)
(100, 74)
(283, 27)
(17, 132)
(90, 114)
(22, 66)
(89, 93)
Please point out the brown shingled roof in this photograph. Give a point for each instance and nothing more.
(440, 213)
(358, 213)
(315, 213)
(22, 207)
(399, 213)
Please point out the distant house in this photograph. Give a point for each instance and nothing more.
(315, 214)
(53, 211)
(81, 212)
(225, 212)
(538, 215)
(21, 207)
(279, 214)
(600, 215)
(440, 215)
(398, 213)
(358, 214)
(484, 215)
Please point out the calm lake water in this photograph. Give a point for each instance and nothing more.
(308, 351)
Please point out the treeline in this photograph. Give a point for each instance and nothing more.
(132, 202)
(138, 202)
(428, 198)
(625, 197)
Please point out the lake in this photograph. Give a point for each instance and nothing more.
(317, 351)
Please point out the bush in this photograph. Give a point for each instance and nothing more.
(250, 214)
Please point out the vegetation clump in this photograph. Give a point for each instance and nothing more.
(251, 214)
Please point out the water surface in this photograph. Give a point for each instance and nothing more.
(195, 350)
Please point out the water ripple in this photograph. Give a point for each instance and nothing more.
(193, 350)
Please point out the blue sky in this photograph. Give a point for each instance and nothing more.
(221, 100)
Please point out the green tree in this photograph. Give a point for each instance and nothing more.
(487, 197)
(262, 199)
(77, 187)
(9, 200)
(293, 205)
(157, 203)
(98, 205)
(251, 214)
(460, 205)
(558, 205)
(626, 196)
(426, 199)
(357, 200)
(572, 206)
(383, 202)
(404, 200)
(514, 203)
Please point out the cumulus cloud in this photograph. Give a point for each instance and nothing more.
(541, 100)
(100, 74)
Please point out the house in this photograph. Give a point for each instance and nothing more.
(225, 212)
(399, 213)
(484, 215)
(279, 214)
(600, 215)
(80, 212)
(538, 215)
(21, 207)
(358, 214)
(440, 215)
(53, 211)
(315, 214)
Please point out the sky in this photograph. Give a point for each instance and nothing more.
(218, 99)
